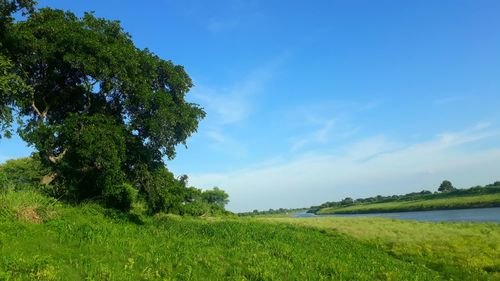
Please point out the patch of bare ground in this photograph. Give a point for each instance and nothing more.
(29, 215)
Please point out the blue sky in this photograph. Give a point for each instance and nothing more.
(314, 101)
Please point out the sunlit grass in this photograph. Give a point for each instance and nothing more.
(93, 243)
(461, 251)
(88, 242)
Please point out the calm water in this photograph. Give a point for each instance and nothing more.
(483, 214)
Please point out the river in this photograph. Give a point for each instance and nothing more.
(463, 215)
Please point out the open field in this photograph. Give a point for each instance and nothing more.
(459, 202)
(459, 251)
(42, 239)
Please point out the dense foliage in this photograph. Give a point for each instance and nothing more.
(163, 193)
(446, 186)
(23, 173)
(102, 114)
(414, 196)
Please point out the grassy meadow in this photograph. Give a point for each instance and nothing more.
(43, 239)
(459, 202)
(459, 251)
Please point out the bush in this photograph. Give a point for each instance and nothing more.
(120, 196)
(196, 209)
(23, 173)
(163, 193)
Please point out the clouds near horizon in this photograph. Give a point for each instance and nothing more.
(365, 168)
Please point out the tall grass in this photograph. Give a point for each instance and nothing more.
(28, 206)
(88, 242)
(459, 251)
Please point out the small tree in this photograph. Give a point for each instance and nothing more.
(446, 186)
(215, 196)
(347, 201)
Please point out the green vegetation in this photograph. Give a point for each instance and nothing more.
(446, 186)
(458, 251)
(42, 239)
(449, 198)
(24, 172)
(461, 202)
(96, 202)
(177, 198)
(281, 212)
(101, 113)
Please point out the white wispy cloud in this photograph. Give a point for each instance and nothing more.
(364, 168)
(226, 144)
(226, 105)
(322, 126)
(321, 135)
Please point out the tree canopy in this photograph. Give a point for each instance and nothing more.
(446, 186)
(102, 113)
(215, 196)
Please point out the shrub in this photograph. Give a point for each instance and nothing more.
(24, 173)
(163, 193)
(120, 196)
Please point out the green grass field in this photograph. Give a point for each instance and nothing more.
(459, 202)
(42, 239)
(459, 251)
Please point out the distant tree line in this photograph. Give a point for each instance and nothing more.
(271, 212)
(446, 189)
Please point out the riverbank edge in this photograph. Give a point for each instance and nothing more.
(478, 205)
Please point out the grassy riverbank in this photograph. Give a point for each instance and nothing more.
(459, 251)
(42, 239)
(459, 202)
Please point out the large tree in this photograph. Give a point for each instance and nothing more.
(99, 111)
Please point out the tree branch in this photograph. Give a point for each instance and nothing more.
(44, 113)
(55, 159)
(36, 109)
